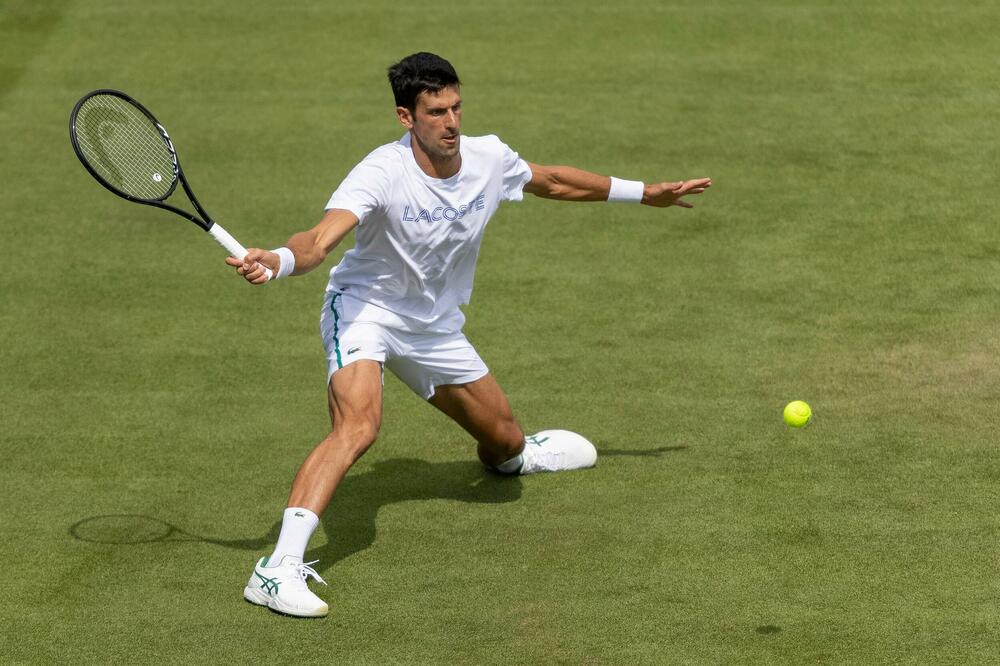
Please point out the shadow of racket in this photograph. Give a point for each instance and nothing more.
(133, 528)
(127, 528)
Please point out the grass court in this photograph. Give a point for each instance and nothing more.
(154, 408)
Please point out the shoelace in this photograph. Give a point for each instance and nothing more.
(304, 571)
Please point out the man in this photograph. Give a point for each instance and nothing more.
(420, 206)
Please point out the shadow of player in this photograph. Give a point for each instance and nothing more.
(350, 520)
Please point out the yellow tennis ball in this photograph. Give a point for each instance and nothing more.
(797, 413)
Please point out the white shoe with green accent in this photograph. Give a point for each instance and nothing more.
(283, 588)
(556, 451)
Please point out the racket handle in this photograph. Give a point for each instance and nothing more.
(233, 247)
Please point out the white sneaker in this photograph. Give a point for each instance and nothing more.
(283, 588)
(555, 451)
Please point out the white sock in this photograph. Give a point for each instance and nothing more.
(297, 527)
(512, 466)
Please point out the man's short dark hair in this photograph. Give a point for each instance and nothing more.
(417, 73)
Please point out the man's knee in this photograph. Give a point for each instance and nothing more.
(503, 443)
(365, 433)
(356, 436)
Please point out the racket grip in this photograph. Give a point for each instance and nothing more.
(233, 246)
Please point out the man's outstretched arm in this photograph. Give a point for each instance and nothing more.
(305, 250)
(571, 184)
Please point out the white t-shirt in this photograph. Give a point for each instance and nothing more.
(414, 259)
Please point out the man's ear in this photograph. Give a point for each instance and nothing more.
(405, 117)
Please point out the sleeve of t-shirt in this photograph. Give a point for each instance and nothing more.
(365, 189)
(516, 174)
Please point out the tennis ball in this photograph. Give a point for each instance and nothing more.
(797, 413)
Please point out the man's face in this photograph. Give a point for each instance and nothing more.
(436, 121)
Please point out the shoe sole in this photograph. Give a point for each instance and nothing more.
(259, 598)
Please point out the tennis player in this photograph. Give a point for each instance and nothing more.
(420, 206)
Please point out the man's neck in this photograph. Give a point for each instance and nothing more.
(441, 168)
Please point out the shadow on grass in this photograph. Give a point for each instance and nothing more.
(349, 522)
(642, 453)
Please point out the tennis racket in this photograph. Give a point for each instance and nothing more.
(124, 147)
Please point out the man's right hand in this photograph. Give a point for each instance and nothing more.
(252, 266)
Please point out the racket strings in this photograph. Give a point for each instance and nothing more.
(125, 147)
(123, 140)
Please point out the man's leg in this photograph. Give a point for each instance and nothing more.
(483, 410)
(355, 401)
(481, 407)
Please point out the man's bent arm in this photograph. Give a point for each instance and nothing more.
(570, 184)
(309, 248)
(312, 247)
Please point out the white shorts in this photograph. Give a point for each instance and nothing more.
(421, 360)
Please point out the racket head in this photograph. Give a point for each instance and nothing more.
(123, 146)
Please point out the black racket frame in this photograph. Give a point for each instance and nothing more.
(205, 222)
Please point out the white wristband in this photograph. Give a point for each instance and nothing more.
(626, 191)
(287, 262)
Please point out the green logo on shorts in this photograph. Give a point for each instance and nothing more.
(352, 350)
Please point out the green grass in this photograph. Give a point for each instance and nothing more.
(847, 255)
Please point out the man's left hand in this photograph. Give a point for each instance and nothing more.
(662, 195)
